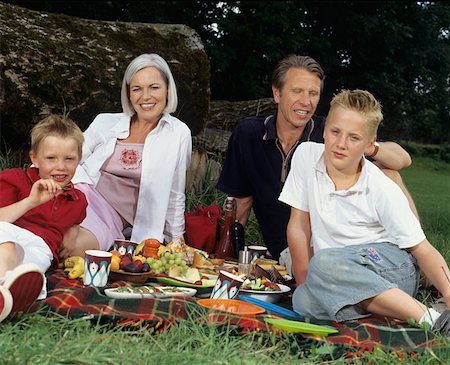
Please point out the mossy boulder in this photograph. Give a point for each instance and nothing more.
(52, 63)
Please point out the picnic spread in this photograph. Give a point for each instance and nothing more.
(159, 298)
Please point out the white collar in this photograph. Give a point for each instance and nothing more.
(359, 186)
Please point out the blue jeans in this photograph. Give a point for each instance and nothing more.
(340, 278)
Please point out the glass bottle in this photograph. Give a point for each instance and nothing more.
(238, 238)
(224, 249)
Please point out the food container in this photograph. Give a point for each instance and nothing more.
(267, 296)
(232, 306)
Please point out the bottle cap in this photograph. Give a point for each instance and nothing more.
(244, 256)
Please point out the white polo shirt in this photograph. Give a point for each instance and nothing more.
(373, 210)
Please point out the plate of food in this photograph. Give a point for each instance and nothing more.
(136, 292)
(205, 281)
(264, 289)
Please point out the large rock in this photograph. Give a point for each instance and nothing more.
(67, 65)
(223, 117)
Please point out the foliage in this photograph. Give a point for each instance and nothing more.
(432, 151)
(10, 159)
(206, 193)
(399, 50)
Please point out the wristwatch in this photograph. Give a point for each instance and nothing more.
(376, 146)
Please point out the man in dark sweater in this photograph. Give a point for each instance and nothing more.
(260, 150)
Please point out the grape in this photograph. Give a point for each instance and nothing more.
(166, 261)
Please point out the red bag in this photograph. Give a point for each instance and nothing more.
(203, 227)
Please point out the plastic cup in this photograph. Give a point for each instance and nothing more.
(96, 267)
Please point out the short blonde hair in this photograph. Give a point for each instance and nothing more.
(362, 102)
(143, 61)
(59, 126)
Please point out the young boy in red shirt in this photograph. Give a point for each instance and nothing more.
(37, 207)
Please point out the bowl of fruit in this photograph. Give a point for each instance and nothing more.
(133, 266)
(152, 260)
(129, 268)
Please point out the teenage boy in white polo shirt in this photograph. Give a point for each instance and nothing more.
(356, 246)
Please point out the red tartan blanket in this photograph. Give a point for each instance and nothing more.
(72, 299)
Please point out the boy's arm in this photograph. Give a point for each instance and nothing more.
(299, 237)
(434, 267)
(41, 192)
(69, 242)
(390, 155)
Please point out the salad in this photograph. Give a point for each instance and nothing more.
(261, 284)
(149, 289)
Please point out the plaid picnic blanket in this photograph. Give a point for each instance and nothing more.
(72, 299)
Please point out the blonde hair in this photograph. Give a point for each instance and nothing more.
(59, 126)
(143, 61)
(362, 102)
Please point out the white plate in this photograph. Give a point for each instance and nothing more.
(165, 292)
(267, 296)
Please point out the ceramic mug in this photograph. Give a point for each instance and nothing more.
(96, 268)
(124, 246)
(257, 252)
(227, 286)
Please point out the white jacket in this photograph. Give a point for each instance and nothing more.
(166, 157)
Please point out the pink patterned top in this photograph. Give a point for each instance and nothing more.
(120, 177)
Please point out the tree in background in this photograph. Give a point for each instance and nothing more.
(398, 50)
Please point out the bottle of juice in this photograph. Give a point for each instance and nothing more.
(224, 249)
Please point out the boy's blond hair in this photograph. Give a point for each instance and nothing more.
(59, 126)
(362, 102)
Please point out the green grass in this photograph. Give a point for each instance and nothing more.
(428, 181)
(42, 339)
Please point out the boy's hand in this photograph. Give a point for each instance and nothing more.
(69, 242)
(43, 190)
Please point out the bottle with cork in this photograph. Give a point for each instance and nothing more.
(224, 249)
